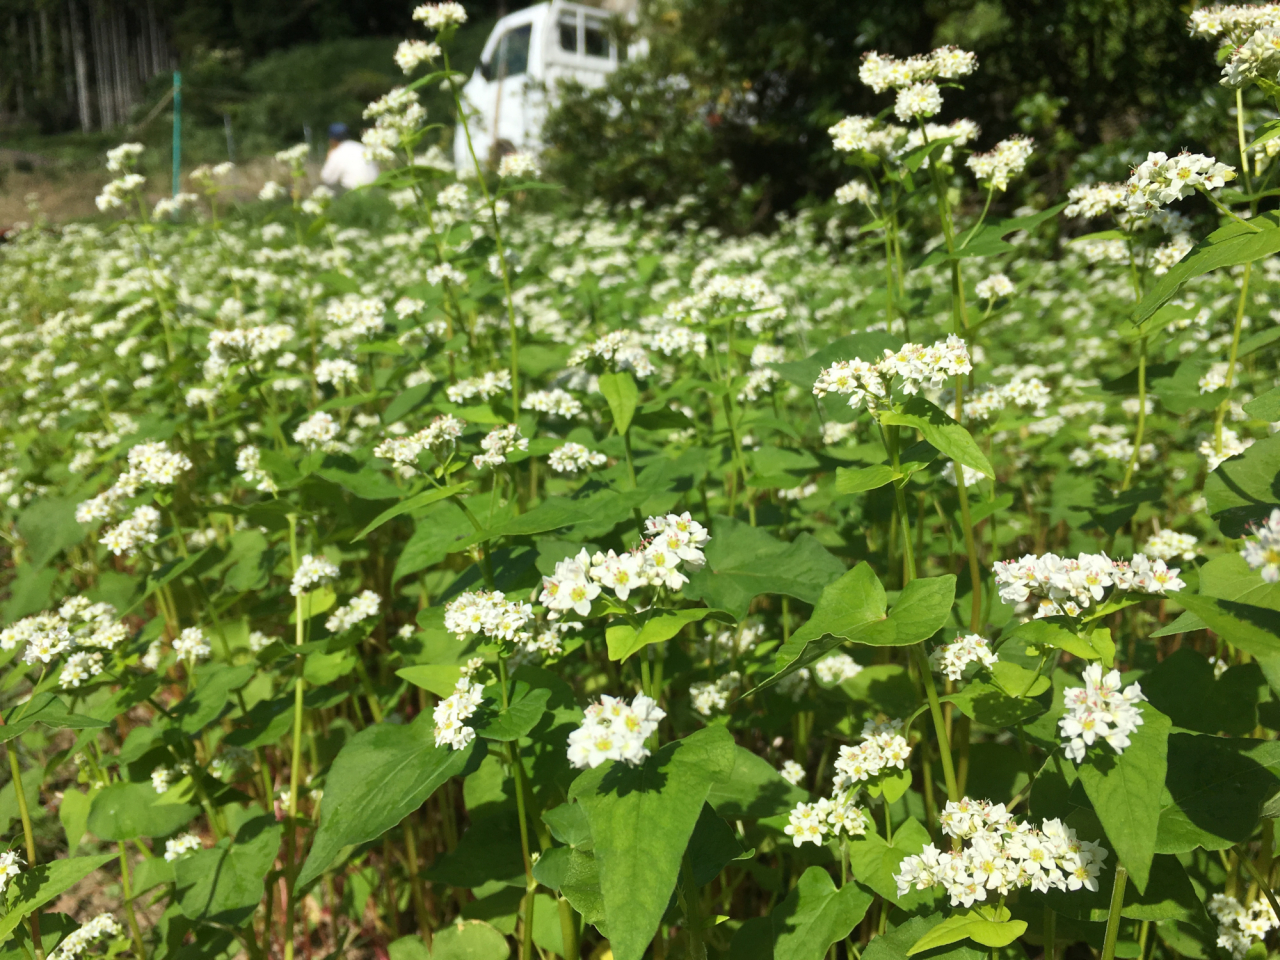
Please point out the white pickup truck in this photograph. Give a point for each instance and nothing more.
(523, 60)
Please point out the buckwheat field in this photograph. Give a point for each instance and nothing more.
(904, 581)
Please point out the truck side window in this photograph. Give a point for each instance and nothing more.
(569, 33)
(596, 39)
(513, 52)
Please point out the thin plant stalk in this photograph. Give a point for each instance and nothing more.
(1232, 357)
(1113, 915)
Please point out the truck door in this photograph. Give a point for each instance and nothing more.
(511, 78)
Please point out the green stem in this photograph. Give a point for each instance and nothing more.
(1244, 153)
(1225, 405)
(939, 723)
(517, 768)
(132, 916)
(1050, 934)
(295, 761)
(1142, 414)
(28, 835)
(692, 915)
(1113, 915)
(1260, 880)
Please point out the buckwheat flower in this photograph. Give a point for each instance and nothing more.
(680, 534)
(1168, 255)
(1261, 548)
(851, 133)
(248, 462)
(143, 527)
(121, 159)
(499, 444)
(312, 572)
(1215, 379)
(1169, 544)
(336, 372)
(156, 464)
(270, 192)
(807, 823)
(846, 817)
(971, 476)
(447, 273)
(557, 402)
(181, 847)
(362, 606)
(1095, 199)
(709, 697)
(1005, 161)
(486, 386)
(519, 164)
(76, 942)
(1258, 58)
(191, 645)
(1159, 180)
(80, 668)
(614, 730)
(451, 714)
(438, 16)
(119, 192)
(317, 430)
(162, 777)
(488, 614)
(792, 772)
(570, 587)
(10, 864)
(1240, 927)
(837, 668)
(574, 458)
(952, 63)
(259, 641)
(1099, 710)
(412, 54)
(993, 287)
(883, 747)
(855, 191)
(951, 659)
(918, 100)
(1232, 445)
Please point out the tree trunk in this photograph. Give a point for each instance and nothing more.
(101, 71)
(68, 59)
(15, 51)
(47, 66)
(81, 57)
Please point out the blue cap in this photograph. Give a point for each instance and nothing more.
(338, 131)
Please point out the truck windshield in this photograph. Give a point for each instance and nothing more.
(569, 33)
(596, 40)
(512, 57)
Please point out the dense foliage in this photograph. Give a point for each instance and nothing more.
(900, 583)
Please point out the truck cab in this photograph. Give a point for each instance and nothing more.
(526, 56)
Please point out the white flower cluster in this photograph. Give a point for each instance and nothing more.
(336, 372)
(362, 606)
(918, 100)
(1007, 159)
(445, 430)
(1261, 551)
(485, 387)
(162, 777)
(855, 191)
(1240, 927)
(80, 668)
(119, 192)
(1061, 585)
(574, 457)
(518, 164)
(712, 695)
(396, 117)
(1099, 710)
(792, 772)
(451, 714)
(811, 822)
(1169, 544)
(10, 866)
(1094, 199)
(149, 463)
(746, 294)
(191, 645)
(244, 345)
(490, 614)
(312, 571)
(674, 539)
(412, 54)
(121, 159)
(181, 846)
(79, 623)
(437, 16)
(883, 747)
(837, 668)
(881, 72)
(1001, 856)
(950, 659)
(1159, 180)
(613, 729)
(498, 444)
(318, 430)
(129, 536)
(75, 943)
(619, 349)
(1232, 445)
(557, 402)
(1234, 23)
(249, 463)
(353, 317)
(993, 287)
(913, 364)
(1258, 58)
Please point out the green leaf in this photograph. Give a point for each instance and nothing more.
(36, 886)
(921, 610)
(660, 625)
(894, 944)
(1245, 488)
(993, 707)
(47, 709)
(214, 685)
(1255, 630)
(1050, 633)
(224, 884)
(874, 862)
(49, 526)
(408, 505)
(1216, 791)
(1227, 246)
(816, 914)
(73, 814)
(620, 392)
(126, 811)
(851, 607)
(525, 709)
(1265, 407)
(469, 940)
(641, 821)
(971, 925)
(439, 678)
(380, 775)
(860, 479)
(754, 789)
(1265, 131)
(712, 846)
(951, 439)
(745, 561)
(1126, 790)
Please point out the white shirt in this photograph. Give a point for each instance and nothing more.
(348, 167)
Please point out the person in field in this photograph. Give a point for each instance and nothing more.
(346, 165)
